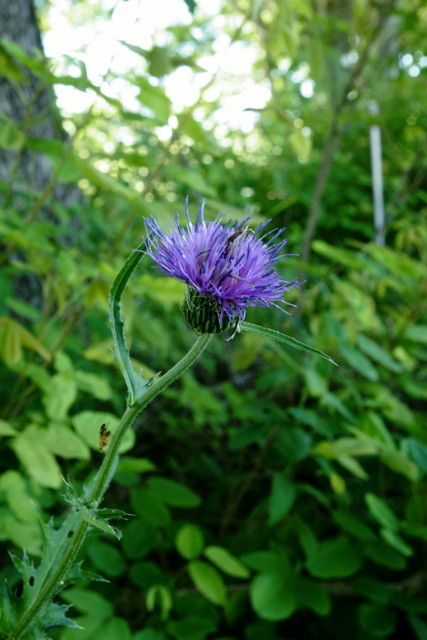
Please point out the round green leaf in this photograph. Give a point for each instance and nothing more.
(59, 395)
(208, 581)
(272, 597)
(106, 558)
(335, 558)
(189, 541)
(376, 620)
(173, 493)
(311, 595)
(88, 424)
(37, 461)
(63, 442)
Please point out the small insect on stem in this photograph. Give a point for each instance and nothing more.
(104, 438)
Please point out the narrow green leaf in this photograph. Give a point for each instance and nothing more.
(225, 561)
(134, 382)
(283, 338)
(381, 512)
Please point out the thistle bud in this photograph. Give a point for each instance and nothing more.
(202, 313)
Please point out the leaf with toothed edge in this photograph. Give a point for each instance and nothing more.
(284, 339)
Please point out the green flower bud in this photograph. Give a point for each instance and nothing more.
(202, 313)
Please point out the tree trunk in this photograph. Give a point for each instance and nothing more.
(28, 185)
(31, 106)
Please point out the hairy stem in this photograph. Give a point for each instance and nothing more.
(63, 561)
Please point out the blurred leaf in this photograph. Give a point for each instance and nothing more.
(163, 594)
(93, 384)
(89, 602)
(208, 581)
(225, 561)
(377, 353)
(10, 136)
(334, 558)
(138, 465)
(106, 558)
(150, 506)
(6, 429)
(88, 425)
(283, 494)
(381, 512)
(310, 595)
(383, 554)
(395, 541)
(416, 333)
(192, 179)
(358, 361)
(36, 460)
(59, 395)
(61, 441)
(173, 493)
(191, 4)
(265, 561)
(189, 541)
(301, 144)
(191, 628)
(272, 596)
(154, 98)
(377, 620)
(8, 67)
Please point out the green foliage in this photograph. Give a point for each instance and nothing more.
(272, 495)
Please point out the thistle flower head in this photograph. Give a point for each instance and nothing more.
(226, 267)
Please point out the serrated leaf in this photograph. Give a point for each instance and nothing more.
(55, 615)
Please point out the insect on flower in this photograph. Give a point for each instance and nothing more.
(226, 267)
(104, 438)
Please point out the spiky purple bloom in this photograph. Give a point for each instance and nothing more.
(226, 267)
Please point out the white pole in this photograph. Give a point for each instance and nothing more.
(377, 178)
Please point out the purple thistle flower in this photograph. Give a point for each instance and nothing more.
(226, 268)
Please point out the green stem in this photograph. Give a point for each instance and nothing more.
(59, 569)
